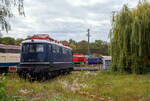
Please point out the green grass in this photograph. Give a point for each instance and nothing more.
(81, 86)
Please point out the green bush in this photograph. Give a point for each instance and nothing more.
(3, 94)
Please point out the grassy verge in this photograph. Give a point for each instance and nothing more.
(82, 86)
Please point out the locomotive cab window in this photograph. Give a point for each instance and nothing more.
(31, 48)
(63, 51)
(58, 49)
(70, 52)
(39, 48)
(50, 48)
(54, 49)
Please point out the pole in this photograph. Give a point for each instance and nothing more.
(88, 41)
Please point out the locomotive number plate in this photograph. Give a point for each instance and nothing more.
(12, 69)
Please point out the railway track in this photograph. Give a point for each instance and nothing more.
(85, 69)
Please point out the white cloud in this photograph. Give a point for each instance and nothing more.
(65, 19)
(92, 22)
(68, 19)
(86, 2)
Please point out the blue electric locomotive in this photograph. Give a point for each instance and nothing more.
(42, 58)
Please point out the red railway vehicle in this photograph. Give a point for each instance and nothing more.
(79, 59)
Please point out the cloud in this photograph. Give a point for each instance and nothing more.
(87, 3)
(65, 19)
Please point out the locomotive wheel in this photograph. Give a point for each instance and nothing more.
(28, 76)
(57, 73)
(32, 77)
(53, 74)
(23, 75)
(67, 71)
(40, 77)
(62, 72)
(49, 75)
(20, 74)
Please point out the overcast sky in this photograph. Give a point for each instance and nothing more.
(67, 19)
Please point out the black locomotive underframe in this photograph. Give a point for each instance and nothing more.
(43, 70)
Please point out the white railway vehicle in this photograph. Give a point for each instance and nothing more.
(9, 58)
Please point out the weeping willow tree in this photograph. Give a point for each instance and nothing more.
(130, 39)
(6, 12)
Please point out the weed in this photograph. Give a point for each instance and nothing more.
(79, 86)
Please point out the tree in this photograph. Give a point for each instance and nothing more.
(71, 41)
(65, 42)
(73, 47)
(99, 47)
(0, 40)
(18, 41)
(130, 39)
(82, 47)
(6, 12)
(8, 40)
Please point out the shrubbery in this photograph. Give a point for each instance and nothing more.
(3, 94)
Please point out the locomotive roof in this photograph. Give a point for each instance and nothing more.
(44, 41)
